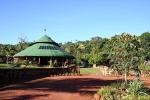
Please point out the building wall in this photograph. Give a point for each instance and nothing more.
(55, 62)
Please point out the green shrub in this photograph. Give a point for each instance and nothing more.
(108, 93)
(25, 62)
(136, 91)
(119, 85)
(133, 97)
(137, 88)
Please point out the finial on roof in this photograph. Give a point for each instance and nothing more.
(45, 30)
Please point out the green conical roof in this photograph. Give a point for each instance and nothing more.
(44, 47)
(45, 38)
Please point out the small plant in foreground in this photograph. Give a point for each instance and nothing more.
(136, 91)
(137, 88)
(107, 93)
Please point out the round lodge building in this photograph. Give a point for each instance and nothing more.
(44, 51)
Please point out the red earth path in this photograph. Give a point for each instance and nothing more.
(58, 88)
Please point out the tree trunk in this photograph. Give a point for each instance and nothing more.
(125, 76)
(94, 65)
(137, 74)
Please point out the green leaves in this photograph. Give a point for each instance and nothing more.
(95, 58)
(91, 51)
(108, 93)
(136, 91)
(125, 52)
(145, 41)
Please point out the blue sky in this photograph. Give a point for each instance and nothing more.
(70, 20)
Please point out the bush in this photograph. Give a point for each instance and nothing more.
(119, 85)
(137, 88)
(108, 93)
(136, 91)
(133, 97)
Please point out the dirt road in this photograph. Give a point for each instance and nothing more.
(56, 88)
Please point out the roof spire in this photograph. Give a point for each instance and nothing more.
(45, 30)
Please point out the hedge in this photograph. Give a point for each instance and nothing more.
(12, 75)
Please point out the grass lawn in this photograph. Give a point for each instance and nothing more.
(89, 71)
(146, 68)
(5, 65)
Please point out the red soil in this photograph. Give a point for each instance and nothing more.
(58, 88)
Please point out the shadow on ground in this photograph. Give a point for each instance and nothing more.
(20, 80)
(82, 85)
(27, 97)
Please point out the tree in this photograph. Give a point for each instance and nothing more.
(90, 51)
(97, 54)
(125, 53)
(145, 40)
(22, 43)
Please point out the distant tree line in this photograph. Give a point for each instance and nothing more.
(121, 52)
(9, 49)
(97, 50)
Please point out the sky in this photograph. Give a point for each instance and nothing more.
(71, 20)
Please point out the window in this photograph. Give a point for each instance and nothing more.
(47, 47)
